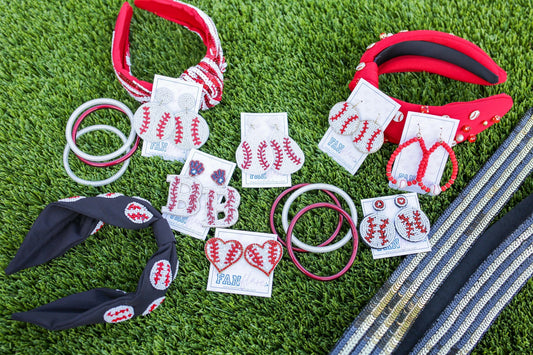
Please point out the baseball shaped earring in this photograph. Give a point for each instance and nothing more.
(344, 118)
(368, 137)
(254, 154)
(411, 223)
(153, 120)
(191, 129)
(288, 156)
(376, 229)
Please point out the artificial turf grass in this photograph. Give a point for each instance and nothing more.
(282, 56)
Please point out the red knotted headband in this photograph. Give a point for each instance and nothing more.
(446, 55)
(209, 72)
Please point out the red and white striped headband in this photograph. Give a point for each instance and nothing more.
(209, 72)
(444, 54)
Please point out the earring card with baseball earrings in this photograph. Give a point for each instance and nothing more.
(183, 96)
(267, 155)
(413, 221)
(357, 125)
(250, 262)
(425, 158)
(209, 172)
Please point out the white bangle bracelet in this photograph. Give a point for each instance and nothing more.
(80, 110)
(97, 182)
(327, 187)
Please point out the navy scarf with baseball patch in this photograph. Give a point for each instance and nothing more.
(70, 221)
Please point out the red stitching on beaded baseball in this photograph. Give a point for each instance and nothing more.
(210, 208)
(223, 254)
(278, 154)
(146, 120)
(340, 113)
(194, 197)
(178, 138)
(370, 233)
(118, 314)
(173, 193)
(382, 231)
(264, 257)
(161, 275)
(288, 149)
(161, 125)
(418, 222)
(247, 155)
(230, 200)
(372, 139)
(194, 131)
(261, 154)
(348, 122)
(362, 132)
(409, 230)
(142, 215)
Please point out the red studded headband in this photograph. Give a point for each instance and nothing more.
(209, 72)
(446, 55)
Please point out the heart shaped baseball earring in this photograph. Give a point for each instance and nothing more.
(223, 254)
(344, 117)
(376, 229)
(191, 129)
(153, 120)
(411, 223)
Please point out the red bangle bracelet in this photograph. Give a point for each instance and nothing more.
(446, 55)
(354, 235)
(276, 203)
(208, 73)
(103, 164)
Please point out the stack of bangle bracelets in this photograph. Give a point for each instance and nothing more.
(71, 133)
(325, 247)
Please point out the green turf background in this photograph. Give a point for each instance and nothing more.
(293, 56)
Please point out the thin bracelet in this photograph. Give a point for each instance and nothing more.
(354, 236)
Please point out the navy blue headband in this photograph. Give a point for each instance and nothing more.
(68, 222)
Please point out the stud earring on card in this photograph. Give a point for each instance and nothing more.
(344, 117)
(223, 254)
(376, 229)
(264, 257)
(196, 168)
(411, 223)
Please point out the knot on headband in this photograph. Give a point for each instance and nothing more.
(68, 222)
(208, 73)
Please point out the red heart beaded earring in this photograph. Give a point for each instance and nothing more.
(423, 165)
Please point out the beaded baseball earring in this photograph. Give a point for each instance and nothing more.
(423, 165)
(369, 136)
(411, 223)
(152, 120)
(254, 154)
(288, 156)
(191, 129)
(376, 229)
(344, 117)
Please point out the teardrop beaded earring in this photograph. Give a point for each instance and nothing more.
(422, 167)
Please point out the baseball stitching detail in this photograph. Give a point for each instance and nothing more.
(278, 154)
(247, 155)
(161, 125)
(290, 152)
(340, 113)
(261, 150)
(146, 120)
(362, 132)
